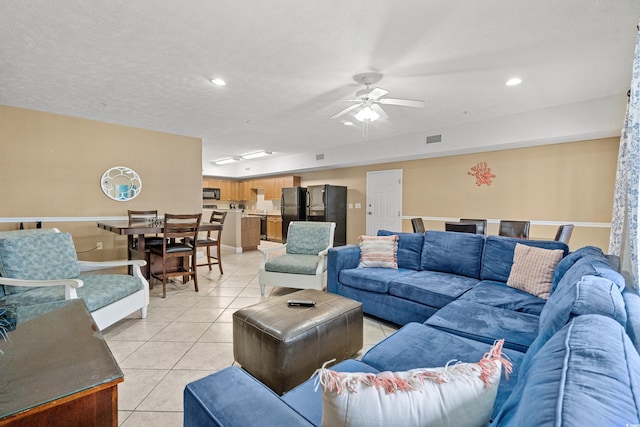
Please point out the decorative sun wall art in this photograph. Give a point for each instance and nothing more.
(482, 172)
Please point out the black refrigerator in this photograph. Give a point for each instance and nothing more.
(329, 203)
(293, 203)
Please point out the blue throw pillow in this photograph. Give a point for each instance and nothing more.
(409, 248)
(455, 253)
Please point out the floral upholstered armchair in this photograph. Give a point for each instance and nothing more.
(302, 262)
(40, 272)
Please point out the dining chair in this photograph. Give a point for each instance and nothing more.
(519, 229)
(217, 217)
(481, 223)
(564, 233)
(177, 256)
(418, 225)
(461, 227)
(144, 216)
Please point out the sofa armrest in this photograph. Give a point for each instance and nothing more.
(70, 285)
(340, 258)
(232, 397)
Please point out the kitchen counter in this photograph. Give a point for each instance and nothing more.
(238, 233)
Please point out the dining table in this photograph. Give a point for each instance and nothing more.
(140, 229)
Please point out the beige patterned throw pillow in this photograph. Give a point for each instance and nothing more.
(532, 269)
(378, 251)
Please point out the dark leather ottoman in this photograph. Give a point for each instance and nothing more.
(282, 346)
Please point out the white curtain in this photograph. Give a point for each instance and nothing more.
(624, 238)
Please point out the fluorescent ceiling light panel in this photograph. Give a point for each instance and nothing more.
(218, 82)
(226, 161)
(514, 81)
(256, 155)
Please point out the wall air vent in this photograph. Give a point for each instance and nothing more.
(432, 139)
(319, 156)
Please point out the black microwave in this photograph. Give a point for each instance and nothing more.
(211, 194)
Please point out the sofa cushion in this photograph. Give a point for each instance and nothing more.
(567, 262)
(431, 287)
(532, 269)
(308, 238)
(98, 291)
(378, 251)
(409, 248)
(456, 253)
(460, 394)
(420, 346)
(293, 264)
(487, 324)
(587, 374)
(591, 295)
(590, 265)
(497, 258)
(217, 399)
(498, 294)
(41, 256)
(372, 279)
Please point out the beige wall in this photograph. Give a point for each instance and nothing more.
(568, 183)
(51, 165)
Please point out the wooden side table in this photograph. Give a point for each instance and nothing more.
(57, 370)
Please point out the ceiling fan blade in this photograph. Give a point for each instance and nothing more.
(402, 102)
(346, 110)
(378, 109)
(377, 93)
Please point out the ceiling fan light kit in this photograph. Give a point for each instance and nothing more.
(366, 113)
(368, 101)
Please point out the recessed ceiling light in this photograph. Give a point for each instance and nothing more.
(347, 123)
(218, 82)
(513, 81)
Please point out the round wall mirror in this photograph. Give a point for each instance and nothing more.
(121, 183)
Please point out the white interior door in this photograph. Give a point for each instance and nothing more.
(384, 201)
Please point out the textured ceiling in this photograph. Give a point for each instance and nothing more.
(148, 63)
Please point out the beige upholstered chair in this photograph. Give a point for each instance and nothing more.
(302, 262)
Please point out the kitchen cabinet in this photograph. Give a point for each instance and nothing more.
(273, 188)
(231, 190)
(274, 228)
(250, 234)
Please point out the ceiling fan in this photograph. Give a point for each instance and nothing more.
(369, 100)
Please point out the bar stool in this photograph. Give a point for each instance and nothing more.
(217, 217)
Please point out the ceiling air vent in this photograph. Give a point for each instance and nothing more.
(319, 156)
(432, 139)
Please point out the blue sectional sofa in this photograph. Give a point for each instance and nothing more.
(575, 356)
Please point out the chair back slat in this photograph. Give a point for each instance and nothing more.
(179, 226)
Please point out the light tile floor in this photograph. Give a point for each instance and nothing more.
(187, 336)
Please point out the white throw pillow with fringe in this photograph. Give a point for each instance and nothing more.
(459, 394)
